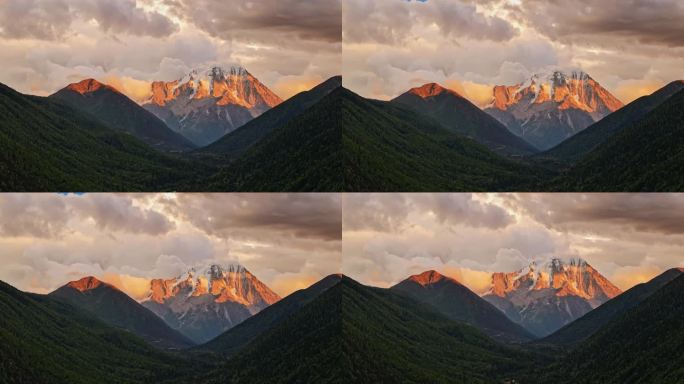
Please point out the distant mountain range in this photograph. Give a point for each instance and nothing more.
(602, 146)
(223, 130)
(90, 137)
(428, 328)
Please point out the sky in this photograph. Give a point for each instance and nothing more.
(288, 241)
(631, 47)
(628, 238)
(289, 45)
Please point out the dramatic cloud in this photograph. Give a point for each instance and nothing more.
(39, 215)
(631, 47)
(221, 214)
(284, 20)
(396, 22)
(637, 212)
(287, 241)
(603, 22)
(629, 238)
(389, 212)
(52, 19)
(47, 44)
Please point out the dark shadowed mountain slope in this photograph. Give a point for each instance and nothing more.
(303, 155)
(355, 334)
(304, 346)
(643, 345)
(236, 338)
(117, 309)
(48, 146)
(119, 112)
(581, 144)
(237, 142)
(390, 338)
(644, 156)
(459, 303)
(387, 147)
(461, 116)
(593, 321)
(45, 341)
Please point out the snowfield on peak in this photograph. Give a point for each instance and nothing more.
(206, 104)
(551, 106)
(205, 302)
(544, 297)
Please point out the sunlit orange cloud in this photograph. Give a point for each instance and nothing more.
(634, 89)
(477, 281)
(627, 277)
(478, 94)
(135, 287)
(289, 86)
(137, 90)
(286, 284)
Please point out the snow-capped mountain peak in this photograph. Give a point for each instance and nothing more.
(551, 106)
(545, 296)
(206, 104)
(206, 301)
(232, 283)
(571, 277)
(568, 90)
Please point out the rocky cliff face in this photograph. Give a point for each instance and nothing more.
(551, 107)
(203, 304)
(204, 105)
(545, 297)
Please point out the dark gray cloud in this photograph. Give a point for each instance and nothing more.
(117, 213)
(629, 238)
(393, 22)
(313, 216)
(48, 216)
(271, 19)
(389, 212)
(288, 240)
(607, 213)
(24, 215)
(52, 19)
(601, 22)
